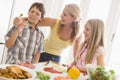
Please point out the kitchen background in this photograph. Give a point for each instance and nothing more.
(107, 10)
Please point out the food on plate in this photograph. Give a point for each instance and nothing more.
(51, 69)
(43, 76)
(100, 73)
(14, 72)
(61, 78)
(27, 64)
(58, 67)
(74, 72)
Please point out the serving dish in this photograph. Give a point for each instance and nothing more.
(30, 71)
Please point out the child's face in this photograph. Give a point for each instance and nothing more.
(34, 15)
(66, 18)
(87, 32)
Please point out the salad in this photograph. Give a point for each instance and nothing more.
(100, 73)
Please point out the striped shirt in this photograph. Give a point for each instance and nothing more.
(28, 43)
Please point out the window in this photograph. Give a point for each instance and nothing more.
(72, 1)
(99, 9)
(5, 7)
(115, 52)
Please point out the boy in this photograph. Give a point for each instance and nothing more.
(25, 41)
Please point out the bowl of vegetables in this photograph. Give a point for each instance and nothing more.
(100, 73)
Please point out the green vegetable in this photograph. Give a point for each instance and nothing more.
(21, 15)
(42, 76)
(100, 73)
(112, 72)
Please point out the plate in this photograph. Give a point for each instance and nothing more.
(32, 72)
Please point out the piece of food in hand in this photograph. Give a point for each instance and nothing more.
(21, 15)
(74, 72)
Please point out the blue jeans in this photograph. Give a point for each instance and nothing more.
(47, 57)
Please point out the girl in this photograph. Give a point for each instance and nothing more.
(91, 51)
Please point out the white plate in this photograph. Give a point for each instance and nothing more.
(32, 72)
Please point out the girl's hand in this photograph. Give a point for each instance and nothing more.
(68, 68)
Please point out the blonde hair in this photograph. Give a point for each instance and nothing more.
(97, 39)
(74, 11)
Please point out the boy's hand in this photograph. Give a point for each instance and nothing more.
(21, 26)
(17, 21)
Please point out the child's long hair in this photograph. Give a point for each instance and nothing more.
(97, 39)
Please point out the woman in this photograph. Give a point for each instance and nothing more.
(63, 32)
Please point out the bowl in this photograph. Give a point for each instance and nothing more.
(101, 72)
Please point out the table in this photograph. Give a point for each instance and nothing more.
(39, 67)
